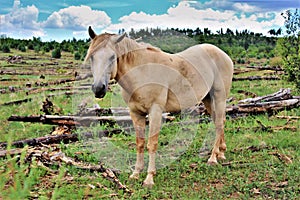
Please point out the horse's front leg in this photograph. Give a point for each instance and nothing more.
(219, 120)
(139, 123)
(154, 128)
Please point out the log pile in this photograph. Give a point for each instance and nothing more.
(270, 104)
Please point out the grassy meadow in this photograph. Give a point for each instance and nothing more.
(255, 167)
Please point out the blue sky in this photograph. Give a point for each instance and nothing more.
(65, 19)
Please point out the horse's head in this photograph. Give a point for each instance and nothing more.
(103, 59)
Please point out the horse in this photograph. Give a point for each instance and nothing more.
(154, 82)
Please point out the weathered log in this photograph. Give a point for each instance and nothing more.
(38, 90)
(241, 71)
(12, 152)
(282, 94)
(16, 102)
(264, 107)
(52, 139)
(277, 68)
(71, 120)
(254, 78)
(288, 117)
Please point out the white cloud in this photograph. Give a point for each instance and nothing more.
(77, 18)
(244, 7)
(186, 15)
(21, 22)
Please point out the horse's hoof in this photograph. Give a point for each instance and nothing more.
(212, 162)
(148, 184)
(134, 176)
(221, 157)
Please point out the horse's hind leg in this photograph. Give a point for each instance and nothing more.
(139, 123)
(218, 105)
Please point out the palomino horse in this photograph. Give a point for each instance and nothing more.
(154, 82)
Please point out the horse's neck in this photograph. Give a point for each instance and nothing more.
(127, 46)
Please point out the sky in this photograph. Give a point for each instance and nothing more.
(65, 19)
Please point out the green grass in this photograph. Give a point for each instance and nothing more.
(181, 173)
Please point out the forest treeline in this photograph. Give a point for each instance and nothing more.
(240, 45)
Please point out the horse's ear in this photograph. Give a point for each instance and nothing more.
(118, 39)
(92, 33)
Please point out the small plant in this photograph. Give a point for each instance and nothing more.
(56, 53)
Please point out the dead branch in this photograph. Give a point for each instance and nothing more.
(47, 155)
(282, 157)
(107, 173)
(254, 148)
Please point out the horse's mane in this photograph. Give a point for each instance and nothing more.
(125, 49)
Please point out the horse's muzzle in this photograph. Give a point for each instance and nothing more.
(99, 91)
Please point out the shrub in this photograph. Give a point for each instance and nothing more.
(56, 53)
(30, 46)
(5, 48)
(77, 56)
(21, 47)
(46, 48)
(289, 47)
(37, 48)
(276, 62)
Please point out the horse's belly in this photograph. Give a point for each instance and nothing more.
(183, 100)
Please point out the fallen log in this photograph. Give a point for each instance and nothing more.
(277, 68)
(241, 71)
(52, 139)
(71, 120)
(12, 152)
(38, 90)
(65, 138)
(16, 102)
(282, 94)
(288, 117)
(264, 107)
(243, 109)
(254, 78)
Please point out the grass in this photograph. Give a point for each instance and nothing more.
(180, 175)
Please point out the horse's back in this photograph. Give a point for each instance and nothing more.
(209, 58)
